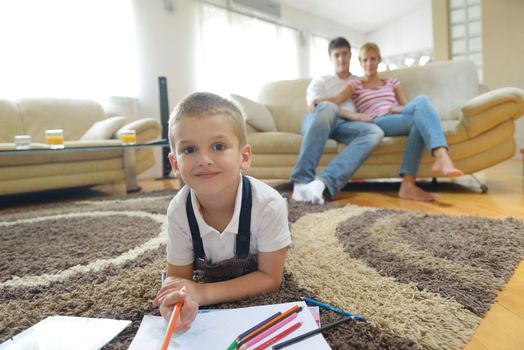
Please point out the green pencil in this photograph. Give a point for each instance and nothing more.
(233, 345)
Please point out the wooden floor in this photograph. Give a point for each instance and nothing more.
(503, 326)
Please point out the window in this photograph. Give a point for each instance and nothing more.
(67, 48)
(239, 54)
(465, 20)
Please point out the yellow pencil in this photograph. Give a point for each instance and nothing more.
(171, 325)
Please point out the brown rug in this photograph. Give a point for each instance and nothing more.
(424, 281)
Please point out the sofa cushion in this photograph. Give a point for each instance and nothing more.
(72, 116)
(286, 100)
(103, 129)
(281, 143)
(439, 81)
(257, 115)
(10, 121)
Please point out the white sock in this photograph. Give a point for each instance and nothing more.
(315, 191)
(299, 192)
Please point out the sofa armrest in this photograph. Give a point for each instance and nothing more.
(147, 129)
(487, 110)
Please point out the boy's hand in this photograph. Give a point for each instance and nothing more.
(187, 313)
(176, 284)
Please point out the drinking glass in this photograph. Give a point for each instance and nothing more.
(55, 138)
(128, 137)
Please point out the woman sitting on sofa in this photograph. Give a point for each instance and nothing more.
(383, 102)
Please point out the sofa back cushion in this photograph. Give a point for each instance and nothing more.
(10, 121)
(286, 100)
(449, 84)
(75, 117)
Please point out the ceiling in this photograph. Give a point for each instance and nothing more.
(360, 15)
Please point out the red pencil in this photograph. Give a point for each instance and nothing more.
(278, 337)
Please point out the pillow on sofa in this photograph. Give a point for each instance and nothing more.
(103, 129)
(257, 115)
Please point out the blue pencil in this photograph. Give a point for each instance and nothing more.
(332, 308)
(258, 325)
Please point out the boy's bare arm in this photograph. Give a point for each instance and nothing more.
(266, 279)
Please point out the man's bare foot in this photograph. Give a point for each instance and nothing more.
(409, 190)
(443, 164)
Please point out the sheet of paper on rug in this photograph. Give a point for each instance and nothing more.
(67, 332)
(216, 330)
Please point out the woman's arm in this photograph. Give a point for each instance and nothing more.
(343, 95)
(355, 116)
(400, 95)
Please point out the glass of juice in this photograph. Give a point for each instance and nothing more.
(128, 137)
(55, 138)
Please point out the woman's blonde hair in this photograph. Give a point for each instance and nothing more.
(369, 47)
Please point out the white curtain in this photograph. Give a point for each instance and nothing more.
(239, 54)
(67, 48)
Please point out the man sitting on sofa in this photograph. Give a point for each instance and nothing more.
(324, 122)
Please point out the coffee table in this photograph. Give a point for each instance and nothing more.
(128, 155)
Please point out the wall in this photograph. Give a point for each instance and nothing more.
(167, 45)
(410, 32)
(503, 48)
(441, 45)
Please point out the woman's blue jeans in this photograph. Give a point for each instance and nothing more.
(420, 122)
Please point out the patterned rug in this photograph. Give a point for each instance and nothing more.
(424, 281)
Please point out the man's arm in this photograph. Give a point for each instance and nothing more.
(316, 90)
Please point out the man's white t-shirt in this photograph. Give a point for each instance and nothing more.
(269, 226)
(328, 86)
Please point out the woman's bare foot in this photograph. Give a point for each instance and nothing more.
(409, 190)
(443, 164)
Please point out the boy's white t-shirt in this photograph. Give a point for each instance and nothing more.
(328, 86)
(269, 226)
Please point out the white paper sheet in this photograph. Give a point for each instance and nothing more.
(66, 333)
(217, 329)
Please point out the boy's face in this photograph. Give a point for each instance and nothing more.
(208, 156)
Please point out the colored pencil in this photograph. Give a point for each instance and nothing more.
(262, 328)
(279, 336)
(233, 345)
(311, 333)
(332, 308)
(268, 331)
(239, 338)
(171, 325)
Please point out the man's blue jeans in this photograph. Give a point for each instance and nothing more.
(418, 120)
(361, 139)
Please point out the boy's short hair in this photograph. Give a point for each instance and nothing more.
(206, 104)
(338, 42)
(369, 47)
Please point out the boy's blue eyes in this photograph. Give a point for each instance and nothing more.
(214, 147)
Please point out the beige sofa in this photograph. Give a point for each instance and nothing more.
(479, 127)
(31, 171)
